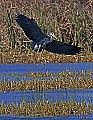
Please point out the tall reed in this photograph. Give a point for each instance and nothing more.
(11, 33)
(0, 43)
(70, 21)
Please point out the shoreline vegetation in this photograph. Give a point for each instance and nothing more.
(42, 57)
(46, 108)
(75, 80)
(48, 81)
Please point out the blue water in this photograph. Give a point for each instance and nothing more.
(44, 118)
(72, 117)
(6, 69)
(50, 67)
(60, 95)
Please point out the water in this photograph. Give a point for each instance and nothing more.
(72, 117)
(44, 118)
(50, 67)
(61, 95)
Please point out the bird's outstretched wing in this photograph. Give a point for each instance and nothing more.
(30, 27)
(34, 33)
(62, 48)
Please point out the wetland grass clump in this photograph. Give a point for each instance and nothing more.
(46, 108)
(10, 26)
(46, 81)
(43, 57)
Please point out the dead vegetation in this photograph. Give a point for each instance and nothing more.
(70, 21)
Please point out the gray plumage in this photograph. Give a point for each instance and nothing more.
(41, 41)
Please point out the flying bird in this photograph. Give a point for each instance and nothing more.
(41, 41)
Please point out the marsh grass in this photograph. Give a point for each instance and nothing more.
(71, 22)
(46, 108)
(0, 43)
(80, 26)
(43, 57)
(11, 33)
(63, 80)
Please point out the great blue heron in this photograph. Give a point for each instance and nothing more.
(41, 41)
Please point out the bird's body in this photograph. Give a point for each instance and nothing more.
(41, 41)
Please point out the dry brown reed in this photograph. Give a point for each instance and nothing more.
(63, 80)
(71, 20)
(43, 57)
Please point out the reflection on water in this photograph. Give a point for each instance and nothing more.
(50, 95)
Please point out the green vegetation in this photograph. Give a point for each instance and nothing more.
(11, 34)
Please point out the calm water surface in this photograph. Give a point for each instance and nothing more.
(50, 67)
(60, 95)
(6, 69)
(72, 117)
